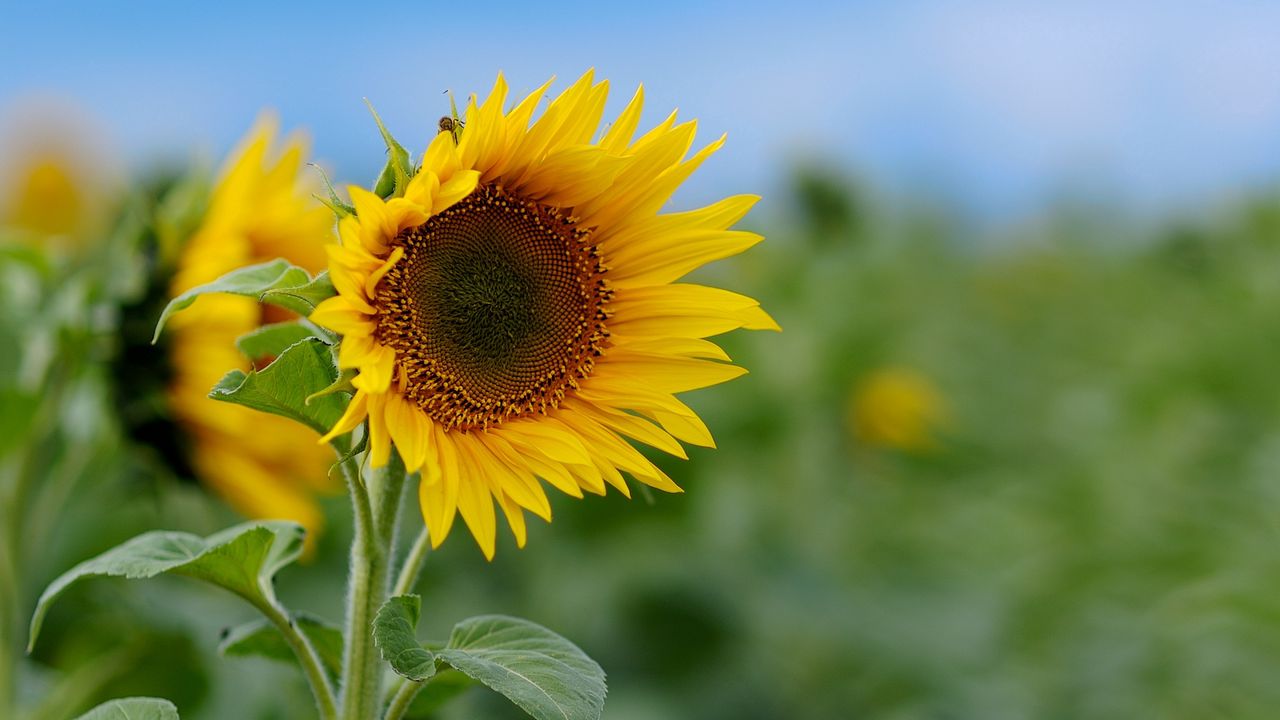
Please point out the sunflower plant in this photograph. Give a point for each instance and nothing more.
(500, 315)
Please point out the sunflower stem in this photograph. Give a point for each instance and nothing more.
(402, 699)
(307, 656)
(413, 562)
(377, 509)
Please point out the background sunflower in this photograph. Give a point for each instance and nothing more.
(261, 209)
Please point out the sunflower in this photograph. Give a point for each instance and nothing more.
(513, 314)
(263, 466)
(56, 179)
(897, 408)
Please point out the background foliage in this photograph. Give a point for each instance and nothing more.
(1088, 532)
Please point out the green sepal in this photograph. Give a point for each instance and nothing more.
(276, 283)
(544, 674)
(242, 559)
(260, 638)
(288, 385)
(333, 202)
(457, 125)
(394, 629)
(341, 385)
(395, 175)
(134, 708)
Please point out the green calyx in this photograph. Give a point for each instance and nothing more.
(399, 169)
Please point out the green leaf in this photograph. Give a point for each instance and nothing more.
(283, 387)
(541, 672)
(276, 282)
(393, 633)
(272, 340)
(242, 559)
(262, 639)
(399, 168)
(303, 298)
(136, 708)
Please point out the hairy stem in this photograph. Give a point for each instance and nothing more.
(377, 506)
(307, 656)
(412, 567)
(402, 699)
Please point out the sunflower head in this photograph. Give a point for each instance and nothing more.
(512, 310)
(260, 210)
(56, 181)
(897, 408)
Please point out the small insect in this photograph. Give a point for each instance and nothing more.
(451, 123)
(453, 126)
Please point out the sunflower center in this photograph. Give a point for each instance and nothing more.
(495, 311)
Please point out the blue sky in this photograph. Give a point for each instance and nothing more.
(996, 107)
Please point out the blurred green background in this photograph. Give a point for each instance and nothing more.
(1076, 516)
(1010, 464)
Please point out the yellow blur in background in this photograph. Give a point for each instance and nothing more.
(58, 176)
(897, 408)
(261, 209)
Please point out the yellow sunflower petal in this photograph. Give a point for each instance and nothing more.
(439, 503)
(688, 427)
(516, 475)
(462, 184)
(549, 439)
(410, 431)
(544, 134)
(350, 286)
(475, 502)
(374, 220)
(515, 518)
(357, 410)
(619, 134)
(338, 315)
(631, 426)
(403, 213)
(371, 283)
(666, 374)
(377, 369)
(587, 477)
(484, 140)
(692, 311)
(379, 438)
(440, 499)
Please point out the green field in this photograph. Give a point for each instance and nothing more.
(1091, 530)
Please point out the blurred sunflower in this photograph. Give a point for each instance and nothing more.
(56, 179)
(897, 408)
(513, 311)
(264, 466)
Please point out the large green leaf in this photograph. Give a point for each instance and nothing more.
(284, 386)
(394, 633)
(269, 341)
(136, 708)
(276, 282)
(262, 639)
(544, 674)
(242, 559)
